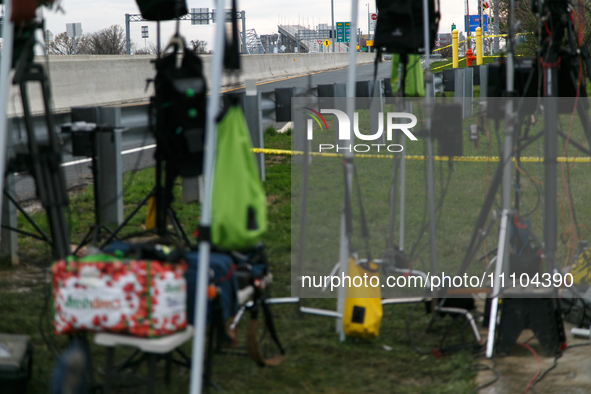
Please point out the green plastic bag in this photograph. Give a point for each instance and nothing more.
(414, 84)
(239, 204)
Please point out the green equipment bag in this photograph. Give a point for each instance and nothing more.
(414, 83)
(239, 204)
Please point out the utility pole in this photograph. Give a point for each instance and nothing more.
(467, 43)
(332, 29)
(496, 24)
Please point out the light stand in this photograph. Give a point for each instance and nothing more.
(44, 159)
(429, 103)
(503, 247)
(213, 106)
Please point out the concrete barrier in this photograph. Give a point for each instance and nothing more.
(87, 80)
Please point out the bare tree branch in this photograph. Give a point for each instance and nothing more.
(64, 45)
(199, 46)
(108, 41)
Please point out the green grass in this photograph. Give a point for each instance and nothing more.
(437, 66)
(316, 361)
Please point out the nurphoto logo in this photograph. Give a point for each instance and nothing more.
(344, 123)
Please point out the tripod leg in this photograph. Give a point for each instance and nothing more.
(85, 240)
(128, 218)
(178, 227)
(476, 239)
(584, 115)
(44, 236)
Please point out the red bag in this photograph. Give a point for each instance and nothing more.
(144, 298)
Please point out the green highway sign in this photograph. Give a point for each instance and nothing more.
(343, 31)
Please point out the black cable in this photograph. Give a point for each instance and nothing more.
(46, 296)
(543, 374)
(484, 367)
(570, 194)
(424, 219)
(408, 334)
(438, 211)
(578, 345)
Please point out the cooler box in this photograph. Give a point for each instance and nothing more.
(16, 359)
(144, 298)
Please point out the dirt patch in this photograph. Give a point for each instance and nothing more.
(21, 279)
(571, 374)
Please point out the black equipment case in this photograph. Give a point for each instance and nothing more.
(16, 359)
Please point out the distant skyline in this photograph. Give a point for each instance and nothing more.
(263, 16)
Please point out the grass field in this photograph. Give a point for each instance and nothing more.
(316, 361)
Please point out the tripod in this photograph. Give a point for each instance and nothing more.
(542, 314)
(163, 196)
(44, 159)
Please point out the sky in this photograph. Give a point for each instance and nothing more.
(262, 15)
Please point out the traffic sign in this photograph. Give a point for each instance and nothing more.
(319, 42)
(475, 22)
(373, 21)
(326, 43)
(343, 31)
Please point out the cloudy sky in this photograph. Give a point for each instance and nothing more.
(262, 15)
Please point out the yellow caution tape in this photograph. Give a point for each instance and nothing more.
(481, 159)
(474, 37)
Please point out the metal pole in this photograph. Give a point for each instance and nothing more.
(428, 110)
(243, 16)
(205, 220)
(74, 29)
(332, 29)
(480, 15)
(367, 24)
(550, 154)
(467, 42)
(403, 184)
(503, 245)
(127, 35)
(5, 66)
(344, 244)
(496, 26)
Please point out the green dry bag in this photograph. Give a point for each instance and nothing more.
(239, 204)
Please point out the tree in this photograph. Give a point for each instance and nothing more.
(108, 41)
(64, 45)
(199, 46)
(530, 23)
(446, 52)
(150, 49)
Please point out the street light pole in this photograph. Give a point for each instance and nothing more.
(367, 19)
(367, 27)
(332, 29)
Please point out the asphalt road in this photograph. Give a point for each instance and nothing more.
(138, 149)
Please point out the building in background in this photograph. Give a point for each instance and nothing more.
(443, 40)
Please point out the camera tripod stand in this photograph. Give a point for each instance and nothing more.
(43, 158)
(163, 197)
(524, 307)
